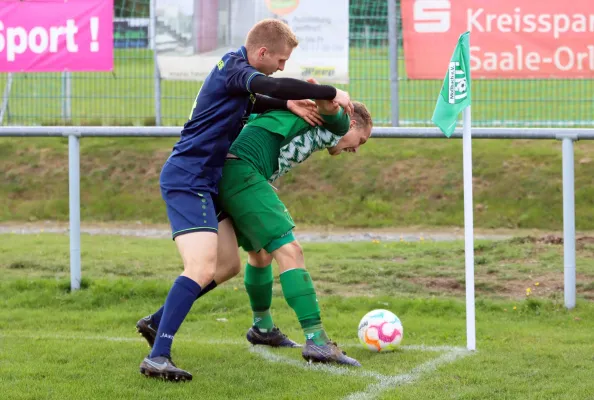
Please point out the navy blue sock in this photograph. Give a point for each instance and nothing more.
(179, 301)
(156, 317)
(207, 288)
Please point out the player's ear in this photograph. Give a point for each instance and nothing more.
(352, 124)
(261, 52)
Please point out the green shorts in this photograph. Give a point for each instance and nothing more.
(260, 218)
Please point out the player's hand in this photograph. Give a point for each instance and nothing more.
(326, 107)
(307, 110)
(344, 100)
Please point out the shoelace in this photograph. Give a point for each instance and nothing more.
(171, 362)
(276, 330)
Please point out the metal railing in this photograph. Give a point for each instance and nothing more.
(566, 136)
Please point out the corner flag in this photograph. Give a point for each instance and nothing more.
(453, 98)
(455, 91)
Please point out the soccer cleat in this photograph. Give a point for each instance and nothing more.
(147, 329)
(327, 353)
(164, 368)
(274, 338)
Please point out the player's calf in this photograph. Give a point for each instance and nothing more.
(300, 294)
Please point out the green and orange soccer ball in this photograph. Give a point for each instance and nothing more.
(380, 331)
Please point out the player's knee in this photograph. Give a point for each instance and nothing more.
(296, 250)
(293, 251)
(199, 255)
(260, 259)
(202, 269)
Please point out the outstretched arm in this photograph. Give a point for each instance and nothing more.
(294, 89)
(305, 109)
(325, 107)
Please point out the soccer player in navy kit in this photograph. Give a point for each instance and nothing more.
(190, 177)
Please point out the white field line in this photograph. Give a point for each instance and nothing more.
(381, 382)
(230, 342)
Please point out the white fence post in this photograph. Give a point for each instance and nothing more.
(74, 208)
(393, 56)
(568, 220)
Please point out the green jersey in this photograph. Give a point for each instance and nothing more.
(301, 147)
(267, 135)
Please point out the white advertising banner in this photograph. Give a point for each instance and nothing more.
(192, 35)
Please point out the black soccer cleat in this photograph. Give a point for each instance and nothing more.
(147, 329)
(274, 338)
(327, 353)
(163, 368)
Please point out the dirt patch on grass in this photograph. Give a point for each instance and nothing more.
(546, 285)
(537, 285)
(439, 284)
(580, 242)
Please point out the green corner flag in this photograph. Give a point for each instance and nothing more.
(455, 91)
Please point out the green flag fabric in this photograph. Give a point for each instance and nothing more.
(455, 91)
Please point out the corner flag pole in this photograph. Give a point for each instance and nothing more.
(455, 97)
(468, 229)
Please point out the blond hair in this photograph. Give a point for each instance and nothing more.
(272, 34)
(361, 115)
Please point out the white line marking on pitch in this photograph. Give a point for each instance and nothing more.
(26, 335)
(382, 384)
(18, 335)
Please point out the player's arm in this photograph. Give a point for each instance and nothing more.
(241, 77)
(337, 123)
(335, 119)
(291, 89)
(327, 107)
(295, 89)
(305, 109)
(265, 103)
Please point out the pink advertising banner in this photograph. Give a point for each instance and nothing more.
(56, 35)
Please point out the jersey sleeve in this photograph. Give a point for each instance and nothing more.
(338, 124)
(239, 75)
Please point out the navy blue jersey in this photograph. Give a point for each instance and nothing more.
(216, 119)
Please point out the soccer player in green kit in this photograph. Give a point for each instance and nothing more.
(237, 86)
(267, 147)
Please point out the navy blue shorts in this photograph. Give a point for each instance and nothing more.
(190, 208)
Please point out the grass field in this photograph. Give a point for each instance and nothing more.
(126, 95)
(57, 344)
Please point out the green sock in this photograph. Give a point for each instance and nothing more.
(258, 284)
(300, 294)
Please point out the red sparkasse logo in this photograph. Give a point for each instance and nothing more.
(509, 39)
(431, 16)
